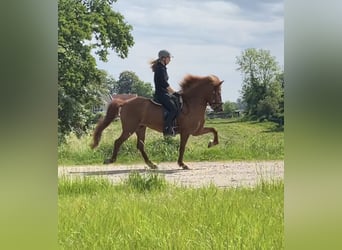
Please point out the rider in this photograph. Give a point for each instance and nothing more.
(163, 90)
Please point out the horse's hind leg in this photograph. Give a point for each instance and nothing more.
(118, 142)
(141, 146)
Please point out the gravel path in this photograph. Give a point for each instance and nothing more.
(222, 174)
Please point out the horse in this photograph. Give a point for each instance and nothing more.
(138, 113)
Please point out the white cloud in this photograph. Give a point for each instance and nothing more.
(204, 36)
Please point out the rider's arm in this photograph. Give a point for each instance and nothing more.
(170, 90)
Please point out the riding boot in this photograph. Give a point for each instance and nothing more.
(168, 120)
(168, 130)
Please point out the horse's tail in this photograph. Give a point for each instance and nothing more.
(112, 113)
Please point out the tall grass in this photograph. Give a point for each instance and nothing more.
(145, 182)
(94, 214)
(237, 141)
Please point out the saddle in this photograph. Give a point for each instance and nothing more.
(177, 99)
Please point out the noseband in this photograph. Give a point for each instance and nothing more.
(214, 104)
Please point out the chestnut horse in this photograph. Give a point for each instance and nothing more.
(138, 113)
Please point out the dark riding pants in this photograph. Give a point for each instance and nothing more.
(168, 104)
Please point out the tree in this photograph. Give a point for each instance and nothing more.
(229, 107)
(125, 83)
(240, 104)
(85, 26)
(262, 88)
(129, 83)
(111, 83)
(280, 115)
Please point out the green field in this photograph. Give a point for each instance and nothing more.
(237, 141)
(146, 213)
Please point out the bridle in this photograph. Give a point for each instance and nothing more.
(214, 104)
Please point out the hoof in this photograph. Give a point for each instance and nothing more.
(152, 166)
(108, 161)
(183, 166)
(211, 143)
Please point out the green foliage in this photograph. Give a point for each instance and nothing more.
(83, 27)
(172, 218)
(162, 149)
(145, 182)
(229, 107)
(88, 186)
(263, 84)
(111, 83)
(129, 83)
(237, 141)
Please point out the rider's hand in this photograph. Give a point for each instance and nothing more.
(177, 94)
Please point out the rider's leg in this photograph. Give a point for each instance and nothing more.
(170, 114)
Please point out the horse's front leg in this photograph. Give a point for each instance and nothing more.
(206, 131)
(183, 140)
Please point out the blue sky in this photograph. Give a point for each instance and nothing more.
(205, 37)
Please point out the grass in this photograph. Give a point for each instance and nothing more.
(237, 141)
(144, 212)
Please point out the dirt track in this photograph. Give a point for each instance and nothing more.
(222, 174)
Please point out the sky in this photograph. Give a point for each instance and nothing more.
(204, 37)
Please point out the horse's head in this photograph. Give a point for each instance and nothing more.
(216, 99)
(209, 87)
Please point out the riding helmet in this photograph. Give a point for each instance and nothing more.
(163, 53)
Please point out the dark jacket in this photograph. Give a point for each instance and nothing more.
(161, 79)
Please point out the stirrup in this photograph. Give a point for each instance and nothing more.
(169, 132)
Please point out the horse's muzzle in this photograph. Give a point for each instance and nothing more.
(217, 107)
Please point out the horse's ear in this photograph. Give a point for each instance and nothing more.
(221, 82)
